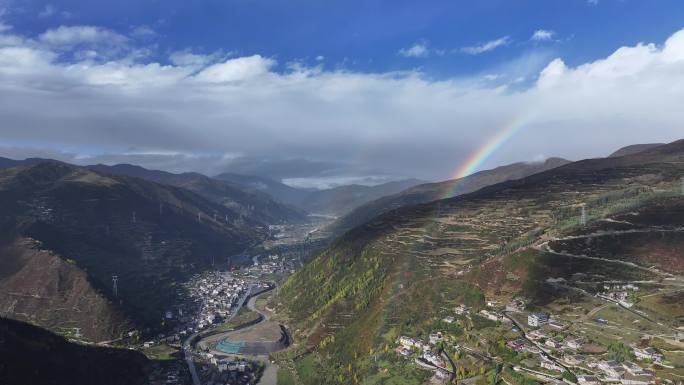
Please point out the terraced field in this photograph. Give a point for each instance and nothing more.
(396, 273)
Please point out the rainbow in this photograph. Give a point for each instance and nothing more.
(478, 157)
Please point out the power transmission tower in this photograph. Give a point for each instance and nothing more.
(583, 218)
(115, 288)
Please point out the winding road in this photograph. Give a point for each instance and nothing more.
(270, 375)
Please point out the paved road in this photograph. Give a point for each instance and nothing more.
(191, 364)
(544, 351)
(187, 350)
(270, 375)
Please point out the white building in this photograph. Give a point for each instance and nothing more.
(537, 319)
(588, 380)
(436, 337)
(648, 354)
(575, 343)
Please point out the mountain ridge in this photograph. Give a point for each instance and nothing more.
(89, 226)
(439, 190)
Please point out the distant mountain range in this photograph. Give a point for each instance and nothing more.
(334, 201)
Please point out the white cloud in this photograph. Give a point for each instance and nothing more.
(189, 59)
(487, 46)
(592, 2)
(416, 50)
(375, 123)
(320, 58)
(143, 32)
(66, 36)
(237, 69)
(4, 27)
(542, 35)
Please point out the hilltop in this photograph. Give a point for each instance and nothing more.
(398, 273)
(429, 192)
(67, 230)
(236, 197)
(634, 149)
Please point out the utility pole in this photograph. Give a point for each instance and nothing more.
(583, 219)
(683, 186)
(199, 216)
(115, 289)
(133, 216)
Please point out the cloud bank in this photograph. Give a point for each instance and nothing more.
(212, 114)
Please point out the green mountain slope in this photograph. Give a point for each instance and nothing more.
(433, 191)
(395, 274)
(67, 230)
(236, 197)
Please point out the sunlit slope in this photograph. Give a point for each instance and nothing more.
(429, 192)
(394, 273)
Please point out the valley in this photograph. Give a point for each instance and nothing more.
(569, 274)
(341, 193)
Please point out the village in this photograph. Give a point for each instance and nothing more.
(548, 348)
(209, 301)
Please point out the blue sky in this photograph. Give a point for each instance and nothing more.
(368, 35)
(340, 90)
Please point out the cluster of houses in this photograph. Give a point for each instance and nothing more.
(409, 345)
(621, 294)
(219, 293)
(611, 372)
(228, 371)
(272, 264)
(550, 348)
